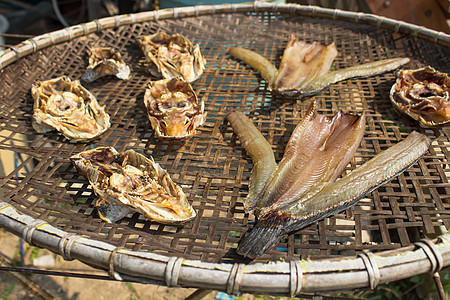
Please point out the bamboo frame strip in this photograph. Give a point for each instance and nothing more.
(271, 278)
(42, 41)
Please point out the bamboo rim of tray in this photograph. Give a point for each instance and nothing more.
(283, 278)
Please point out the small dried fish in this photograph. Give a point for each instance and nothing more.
(65, 105)
(105, 61)
(305, 68)
(424, 95)
(130, 182)
(304, 187)
(173, 108)
(172, 56)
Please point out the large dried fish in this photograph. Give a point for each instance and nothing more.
(130, 182)
(65, 105)
(305, 68)
(171, 56)
(304, 187)
(424, 95)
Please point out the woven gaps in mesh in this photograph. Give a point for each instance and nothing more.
(212, 167)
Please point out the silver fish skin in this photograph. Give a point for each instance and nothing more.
(329, 199)
(261, 152)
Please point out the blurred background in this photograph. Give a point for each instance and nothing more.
(22, 19)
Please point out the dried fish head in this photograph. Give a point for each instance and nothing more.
(173, 109)
(68, 107)
(130, 182)
(172, 56)
(105, 61)
(424, 95)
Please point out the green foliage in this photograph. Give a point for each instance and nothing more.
(7, 292)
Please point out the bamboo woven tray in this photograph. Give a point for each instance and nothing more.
(379, 240)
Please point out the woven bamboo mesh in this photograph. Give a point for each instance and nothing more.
(212, 167)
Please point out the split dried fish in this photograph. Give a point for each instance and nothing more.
(304, 187)
(173, 108)
(65, 105)
(305, 68)
(424, 95)
(172, 56)
(105, 61)
(130, 182)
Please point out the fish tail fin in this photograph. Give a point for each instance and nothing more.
(265, 235)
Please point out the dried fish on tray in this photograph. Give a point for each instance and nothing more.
(304, 187)
(424, 95)
(171, 56)
(173, 109)
(305, 68)
(130, 182)
(65, 105)
(105, 61)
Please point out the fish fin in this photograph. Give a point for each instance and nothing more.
(265, 235)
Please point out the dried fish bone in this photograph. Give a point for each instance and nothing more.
(424, 95)
(172, 56)
(130, 182)
(173, 109)
(65, 105)
(304, 187)
(305, 68)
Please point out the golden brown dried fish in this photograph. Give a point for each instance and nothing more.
(105, 61)
(68, 107)
(305, 68)
(173, 109)
(304, 188)
(424, 95)
(130, 182)
(172, 56)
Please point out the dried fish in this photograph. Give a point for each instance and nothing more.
(424, 95)
(172, 56)
(130, 182)
(68, 107)
(173, 108)
(304, 187)
(105, 61)
(305, 68)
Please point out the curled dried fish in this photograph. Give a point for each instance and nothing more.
(304, 187)
(305, 68)
(130, 182)
(173, 109)
(424, 95)
(65, 105)
(172, 56)
(105, 61)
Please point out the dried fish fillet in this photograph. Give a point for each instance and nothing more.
(305, 188)
(105, 61)
(424, 95)
(172, 56)
(65, 105)
(173, 109)
(305, 68)
(130, 182)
